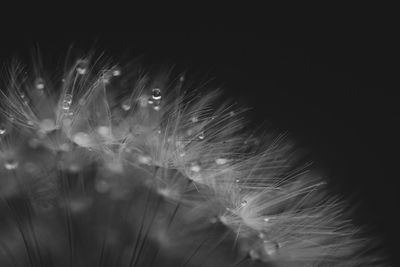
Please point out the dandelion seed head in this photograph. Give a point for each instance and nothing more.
(95, 146)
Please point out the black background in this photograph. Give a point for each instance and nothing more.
(332, 88)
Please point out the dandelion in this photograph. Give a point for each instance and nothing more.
(115, 167)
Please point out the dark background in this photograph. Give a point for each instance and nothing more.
(333, 89)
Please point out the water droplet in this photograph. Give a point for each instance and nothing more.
(11, 164)
(195, 168)
(182, 78)
(201, 135)
(266, 219)
(156, 94)
(116, 72)
(3, 130)
(221, 161)
(104, 131)
(270, 247)
(126, 105)
(237, 180)
(66, 104)
(155, 98)
(39, 83)
(144, 159)
(82, 66)
(82, 139)
(243, 203)
(194, 119)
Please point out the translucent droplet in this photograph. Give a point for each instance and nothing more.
(104, 131)
(270, 247)
(2, 130)
(126, 105)
(144, 159)
(194, 119)
(116, 72)
(243, 203)
(39, 83)
(182, 78)
(195, 168)
(155, 99)
(11, 164)
(237, 181)
(66, 104)
(266, 219)
(221, 161)
(82, 66)
(201, 135)
(156, 94)
(82, 139)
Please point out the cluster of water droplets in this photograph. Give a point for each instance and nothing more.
(155, 98)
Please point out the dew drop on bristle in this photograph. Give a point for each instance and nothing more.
(221, 161)
(3, 130)
(156, 94)
(47, 125)
(155, 99)
(39, 84)
(195, 168)
(67, 101)
(126, 105)
(82, 139)
(82, 66)
(11, 164)
(201, 135)
(116, 72)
